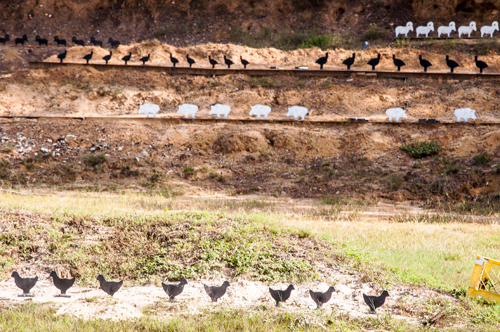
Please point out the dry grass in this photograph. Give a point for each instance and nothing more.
(423, 249)
(426, 249)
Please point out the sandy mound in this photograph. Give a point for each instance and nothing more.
(267, 57)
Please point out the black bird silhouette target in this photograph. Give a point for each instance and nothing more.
(215, 292)
(322, 61)
(374, 62)
(173, 290)
(26, 284)
(62, 284)
(374, 302)
(349, 61)
(424, 63)
(281, 295)
(322, 298)
(110, 287)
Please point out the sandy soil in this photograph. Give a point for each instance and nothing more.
(130, 302)
(267, 57)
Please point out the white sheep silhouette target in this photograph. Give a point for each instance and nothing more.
(188, 109)
(465, 113)
(219, 110)
(467, 29)
(446, 29)
(396, 113)
(260, 110)
(403, 30)
(489, 29)
(149, 109)
(424, 30)
(297, 111)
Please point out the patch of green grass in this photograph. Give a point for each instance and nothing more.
(421, 149)
(264, 82)
(402, 43)
(158, 245)
(35, 317)
(321, 41)
(189, 171)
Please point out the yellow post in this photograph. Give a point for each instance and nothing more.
(485, 281)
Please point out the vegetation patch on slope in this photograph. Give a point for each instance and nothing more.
(164, 245)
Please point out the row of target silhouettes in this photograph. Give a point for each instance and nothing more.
(446, 30)
(262, 112)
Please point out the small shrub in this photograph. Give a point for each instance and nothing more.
(374, 33)
(95, 160)
(482, 159)
(451, 169)
(155, 177)
(127, 172)
(331, 200)
(264, 82)
(403, 43)
(485, 47)
(417, 164)
(321, 41)
(189, 171)
(421, 149)
(289, 161)
(303, 234)
(393, 182)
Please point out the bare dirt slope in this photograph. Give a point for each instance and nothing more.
(193, 21)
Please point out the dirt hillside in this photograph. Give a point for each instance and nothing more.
(193, 21)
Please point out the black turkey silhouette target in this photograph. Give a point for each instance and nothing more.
(228, 62)
(398, 62)
(349, 61)
(173, 60)
(480, 64)
(190, 61)
(107, 57)
(62, 56)
(322, 61)
(374, 62)
(145, 59)
(451, 64)
(424, 63)
(126, 58)
(244, 62)
(212, 61)
(88, 56)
